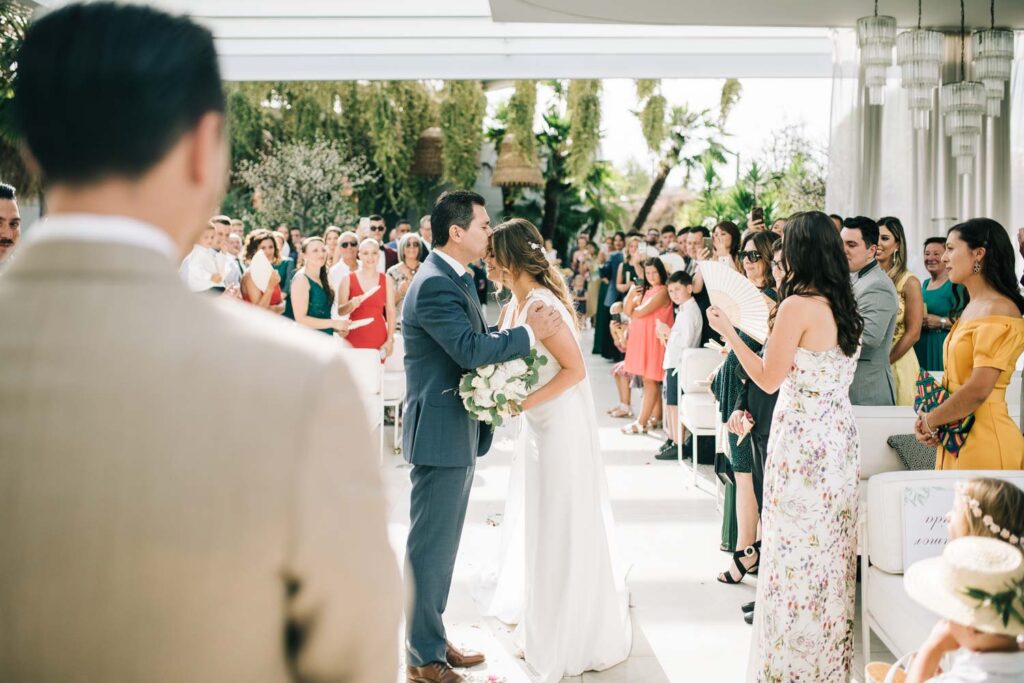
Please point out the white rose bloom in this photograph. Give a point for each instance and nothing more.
(485, 371)
(516, 390)
(499, 378)
(517, 367)
(479, 383)
(484, 399)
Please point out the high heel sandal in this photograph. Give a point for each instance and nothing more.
(757, 565)
(749, 551)
(653, 423)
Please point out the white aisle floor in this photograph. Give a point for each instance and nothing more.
(688, 627)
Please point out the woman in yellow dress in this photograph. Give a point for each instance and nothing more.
(981, 351)
(892, 257)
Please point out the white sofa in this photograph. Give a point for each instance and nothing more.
(900, 623)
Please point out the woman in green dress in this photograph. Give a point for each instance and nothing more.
(940, 306)
(312, 297)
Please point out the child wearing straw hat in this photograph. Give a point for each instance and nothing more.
(977, 587)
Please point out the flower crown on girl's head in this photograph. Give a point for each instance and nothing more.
(975, 510)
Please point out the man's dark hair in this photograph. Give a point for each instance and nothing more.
(375, 217)
(868, 229)
(668, 228)
(837, 217)
(701, 229)
(452, 208)
(402, 221)
(941, 241)
(680, 277)
(621, 235)
(682, 231)
(107, 89)
(7, 192)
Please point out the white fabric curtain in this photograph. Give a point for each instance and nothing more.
(879, 165)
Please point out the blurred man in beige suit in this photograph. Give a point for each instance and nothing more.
(174, 502)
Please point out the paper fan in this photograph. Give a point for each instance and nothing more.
(738, 298)
(260, 270)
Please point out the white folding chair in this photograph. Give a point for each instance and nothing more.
(368, 373)
(394, 389)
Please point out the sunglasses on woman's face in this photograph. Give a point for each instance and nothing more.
(777, 265)
(346, 245)
(752, 256)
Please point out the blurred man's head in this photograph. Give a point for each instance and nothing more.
(652, 237)
(150, 143)
(221, 230)
(376, 228)
(401, 228)
(860, 241)
(668, 236)
(233, 245)
(426, 231)
(237, 227)
(10, 220)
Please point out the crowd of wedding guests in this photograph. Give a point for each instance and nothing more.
(652, 304)
(326, 281)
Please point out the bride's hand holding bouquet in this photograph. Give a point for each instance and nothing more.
(492, 393)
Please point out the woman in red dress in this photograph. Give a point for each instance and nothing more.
(262, 240)
(646, 305)
(379, 306)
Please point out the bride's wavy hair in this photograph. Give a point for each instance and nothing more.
(816, 266)
(519, 248)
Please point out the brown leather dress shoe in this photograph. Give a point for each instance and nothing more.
(462, 659)
(435, 672)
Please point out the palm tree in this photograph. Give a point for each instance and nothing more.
(688, 139)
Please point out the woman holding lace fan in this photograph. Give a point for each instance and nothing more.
(807, 580)
(981, 352)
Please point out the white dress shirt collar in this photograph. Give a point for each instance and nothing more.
(459, 269)
(103, 228)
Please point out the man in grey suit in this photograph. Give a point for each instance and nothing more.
(877, 302)
(188, 487)
(445, 335)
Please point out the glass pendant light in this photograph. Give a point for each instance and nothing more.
(964, 107)
(919, 56)
(876, 36)
(992, 52)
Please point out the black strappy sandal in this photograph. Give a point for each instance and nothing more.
(756, 565)
(749, 551)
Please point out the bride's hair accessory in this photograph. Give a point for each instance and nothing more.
(534, 245)
(974, 506)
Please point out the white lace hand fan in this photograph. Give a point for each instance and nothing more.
(737, 298)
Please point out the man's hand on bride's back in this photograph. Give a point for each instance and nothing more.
(544, 320)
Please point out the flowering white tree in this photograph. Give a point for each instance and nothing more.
(308, 185)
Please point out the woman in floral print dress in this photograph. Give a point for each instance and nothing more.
(804, 611)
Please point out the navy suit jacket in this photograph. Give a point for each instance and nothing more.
(610, 271)
(445, 335)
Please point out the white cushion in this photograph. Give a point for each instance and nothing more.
(902, 623)
(876, 424)
(699, 411)
(696, 366)
(394, 386)
(885, 508)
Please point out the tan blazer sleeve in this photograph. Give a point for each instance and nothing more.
(346, 601)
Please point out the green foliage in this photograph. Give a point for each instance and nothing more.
(732, 89)
(652, 113)
(14, 19)
(462, 114)
(309, 185)
(583, 108)
(646, 87)
(520, 114)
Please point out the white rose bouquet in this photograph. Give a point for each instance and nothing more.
(493, 392)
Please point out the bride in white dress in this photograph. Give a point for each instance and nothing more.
(558, 580)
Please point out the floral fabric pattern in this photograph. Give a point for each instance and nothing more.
(807, 582)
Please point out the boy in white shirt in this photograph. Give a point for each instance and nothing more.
(203, 272)
(684, 334)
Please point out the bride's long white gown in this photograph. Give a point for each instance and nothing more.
(558, 579)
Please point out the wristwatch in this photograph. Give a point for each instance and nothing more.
(943, 322)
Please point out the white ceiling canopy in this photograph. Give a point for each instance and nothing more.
(810, 13)
(448, 39)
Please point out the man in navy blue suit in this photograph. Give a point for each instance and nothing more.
(445, 335)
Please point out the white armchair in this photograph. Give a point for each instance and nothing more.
(698, 411)
(394, 389)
